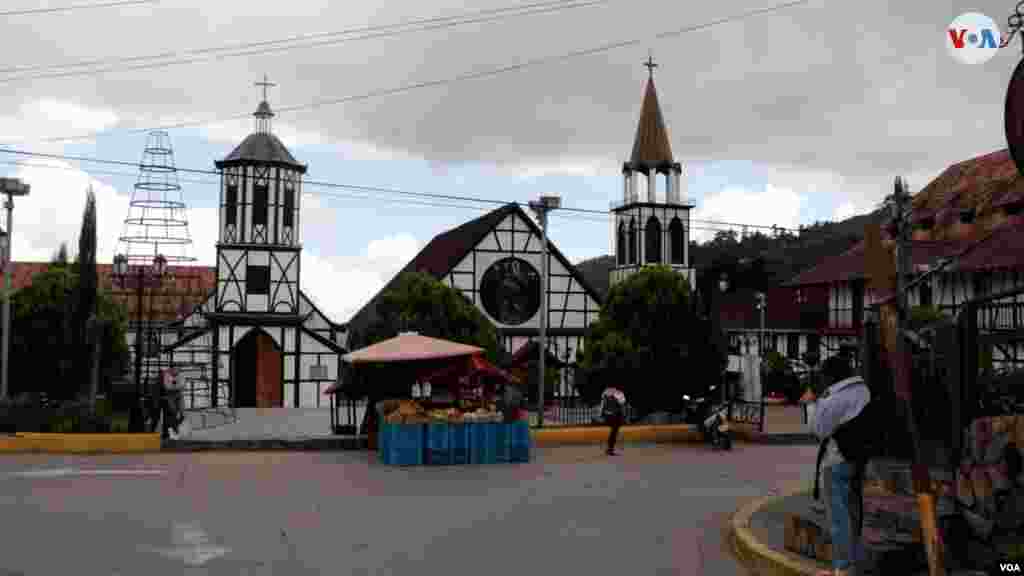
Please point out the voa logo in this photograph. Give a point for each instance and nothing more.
(1011, 567)
(973, 38)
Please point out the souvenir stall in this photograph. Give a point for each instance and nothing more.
(460, 422)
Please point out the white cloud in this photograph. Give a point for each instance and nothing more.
(772, 206)
(565, 166)
(341, 285)
(52, 214)
(844, 211)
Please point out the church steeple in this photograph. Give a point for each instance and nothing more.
(652, 154)
(652, 223)
(651, 146)
(263, 112)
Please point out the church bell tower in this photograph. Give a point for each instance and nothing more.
(652, 222)
(258, 247)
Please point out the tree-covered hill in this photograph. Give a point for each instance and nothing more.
(779, 258)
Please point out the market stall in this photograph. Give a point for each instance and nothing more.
(469, 424)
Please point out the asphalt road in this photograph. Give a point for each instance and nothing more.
(651, 510)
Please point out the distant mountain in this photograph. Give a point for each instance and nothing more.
(775, 259)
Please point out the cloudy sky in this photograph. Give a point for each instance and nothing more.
(801, 115)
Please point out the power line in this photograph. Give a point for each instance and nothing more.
(71, 7)
(718, 224)
(441, 82)
(272, 46)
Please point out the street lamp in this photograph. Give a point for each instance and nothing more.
(723, 287)
(541, 209)
(11, 187)
(761, 305)
(138, 278)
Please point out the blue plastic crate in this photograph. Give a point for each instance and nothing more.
(520, 433)
(385, 433)
(482, 443)
(459, 443)
(503, 443)
(406, 445)
(437, 449)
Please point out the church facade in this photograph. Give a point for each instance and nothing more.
(495, 262)
(257, 339)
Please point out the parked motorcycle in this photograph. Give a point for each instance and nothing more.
(716, 428)
(712, 422)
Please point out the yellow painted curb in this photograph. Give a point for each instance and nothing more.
(79, 443)
(759, 559)
(599, 434)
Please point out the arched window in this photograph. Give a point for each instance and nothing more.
(620, 244)
(675, 230)
(632, 241)
(652, 241)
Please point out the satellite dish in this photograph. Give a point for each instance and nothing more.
(1014, 116)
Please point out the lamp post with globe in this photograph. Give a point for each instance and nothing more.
(138, 277)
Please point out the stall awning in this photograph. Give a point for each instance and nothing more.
(472, 365)
(408, 347)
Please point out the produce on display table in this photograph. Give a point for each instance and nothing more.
(413, 412)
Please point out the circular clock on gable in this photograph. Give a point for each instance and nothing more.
(510, 291)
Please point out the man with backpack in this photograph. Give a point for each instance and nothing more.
(613, 409)
(846, 422)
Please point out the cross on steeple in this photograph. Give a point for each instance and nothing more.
(265, 84)
(650, 64)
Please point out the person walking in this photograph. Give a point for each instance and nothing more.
(840, 477)
(613, 408)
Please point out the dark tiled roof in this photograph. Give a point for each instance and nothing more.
(262, 147)
(445, 250)
(851, 264)
(1003, 250)
(186, 287)
(783, 311)
(651, 147)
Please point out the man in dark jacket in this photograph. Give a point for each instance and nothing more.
(613, 409)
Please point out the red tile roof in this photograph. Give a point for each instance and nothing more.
(850, 265)
(1003, 250)
(185, 287)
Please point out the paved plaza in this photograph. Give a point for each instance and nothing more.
(652, 510)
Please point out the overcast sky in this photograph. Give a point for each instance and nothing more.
(801, 115)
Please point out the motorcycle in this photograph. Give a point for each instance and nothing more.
(712, 422)
(716, 427)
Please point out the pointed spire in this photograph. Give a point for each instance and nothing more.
(651, 147)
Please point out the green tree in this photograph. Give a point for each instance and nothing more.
(650, 342)
(87, 284)
(420, 303)
(40, 351)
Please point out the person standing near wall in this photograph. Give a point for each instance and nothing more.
(613, 409)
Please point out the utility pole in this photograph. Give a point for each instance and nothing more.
(541, 209)
(921, 477)
(11, 187)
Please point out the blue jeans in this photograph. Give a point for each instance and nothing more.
(844, 515)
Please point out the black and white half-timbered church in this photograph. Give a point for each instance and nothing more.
(266, 344)
(263, 340)
(495, 260)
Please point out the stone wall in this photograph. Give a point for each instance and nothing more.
(990, 482)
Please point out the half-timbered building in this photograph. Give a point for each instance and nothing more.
(971, 215)
(259, 337)
(495, 262)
